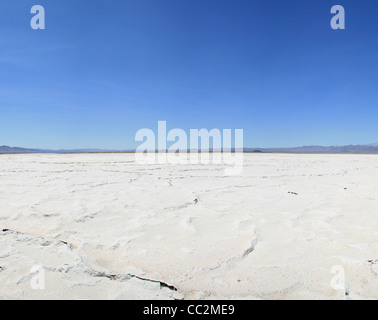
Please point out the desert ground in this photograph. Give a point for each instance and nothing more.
(101, 226)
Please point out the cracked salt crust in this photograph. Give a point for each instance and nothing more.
(104, 227)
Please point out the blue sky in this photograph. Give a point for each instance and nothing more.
(104, 69)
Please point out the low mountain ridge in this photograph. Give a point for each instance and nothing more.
(351, 149)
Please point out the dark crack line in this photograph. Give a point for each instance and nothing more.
(183, 206)
(44, 244)
(89, 270)
(236, 259)
(162, 284)
(251, 248)
(128, 276)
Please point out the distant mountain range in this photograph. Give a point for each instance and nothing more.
(7, 149)
(354, 149)
(351, 149)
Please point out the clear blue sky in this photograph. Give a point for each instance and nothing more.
(104, 69)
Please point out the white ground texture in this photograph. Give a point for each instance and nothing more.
(100, 226)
